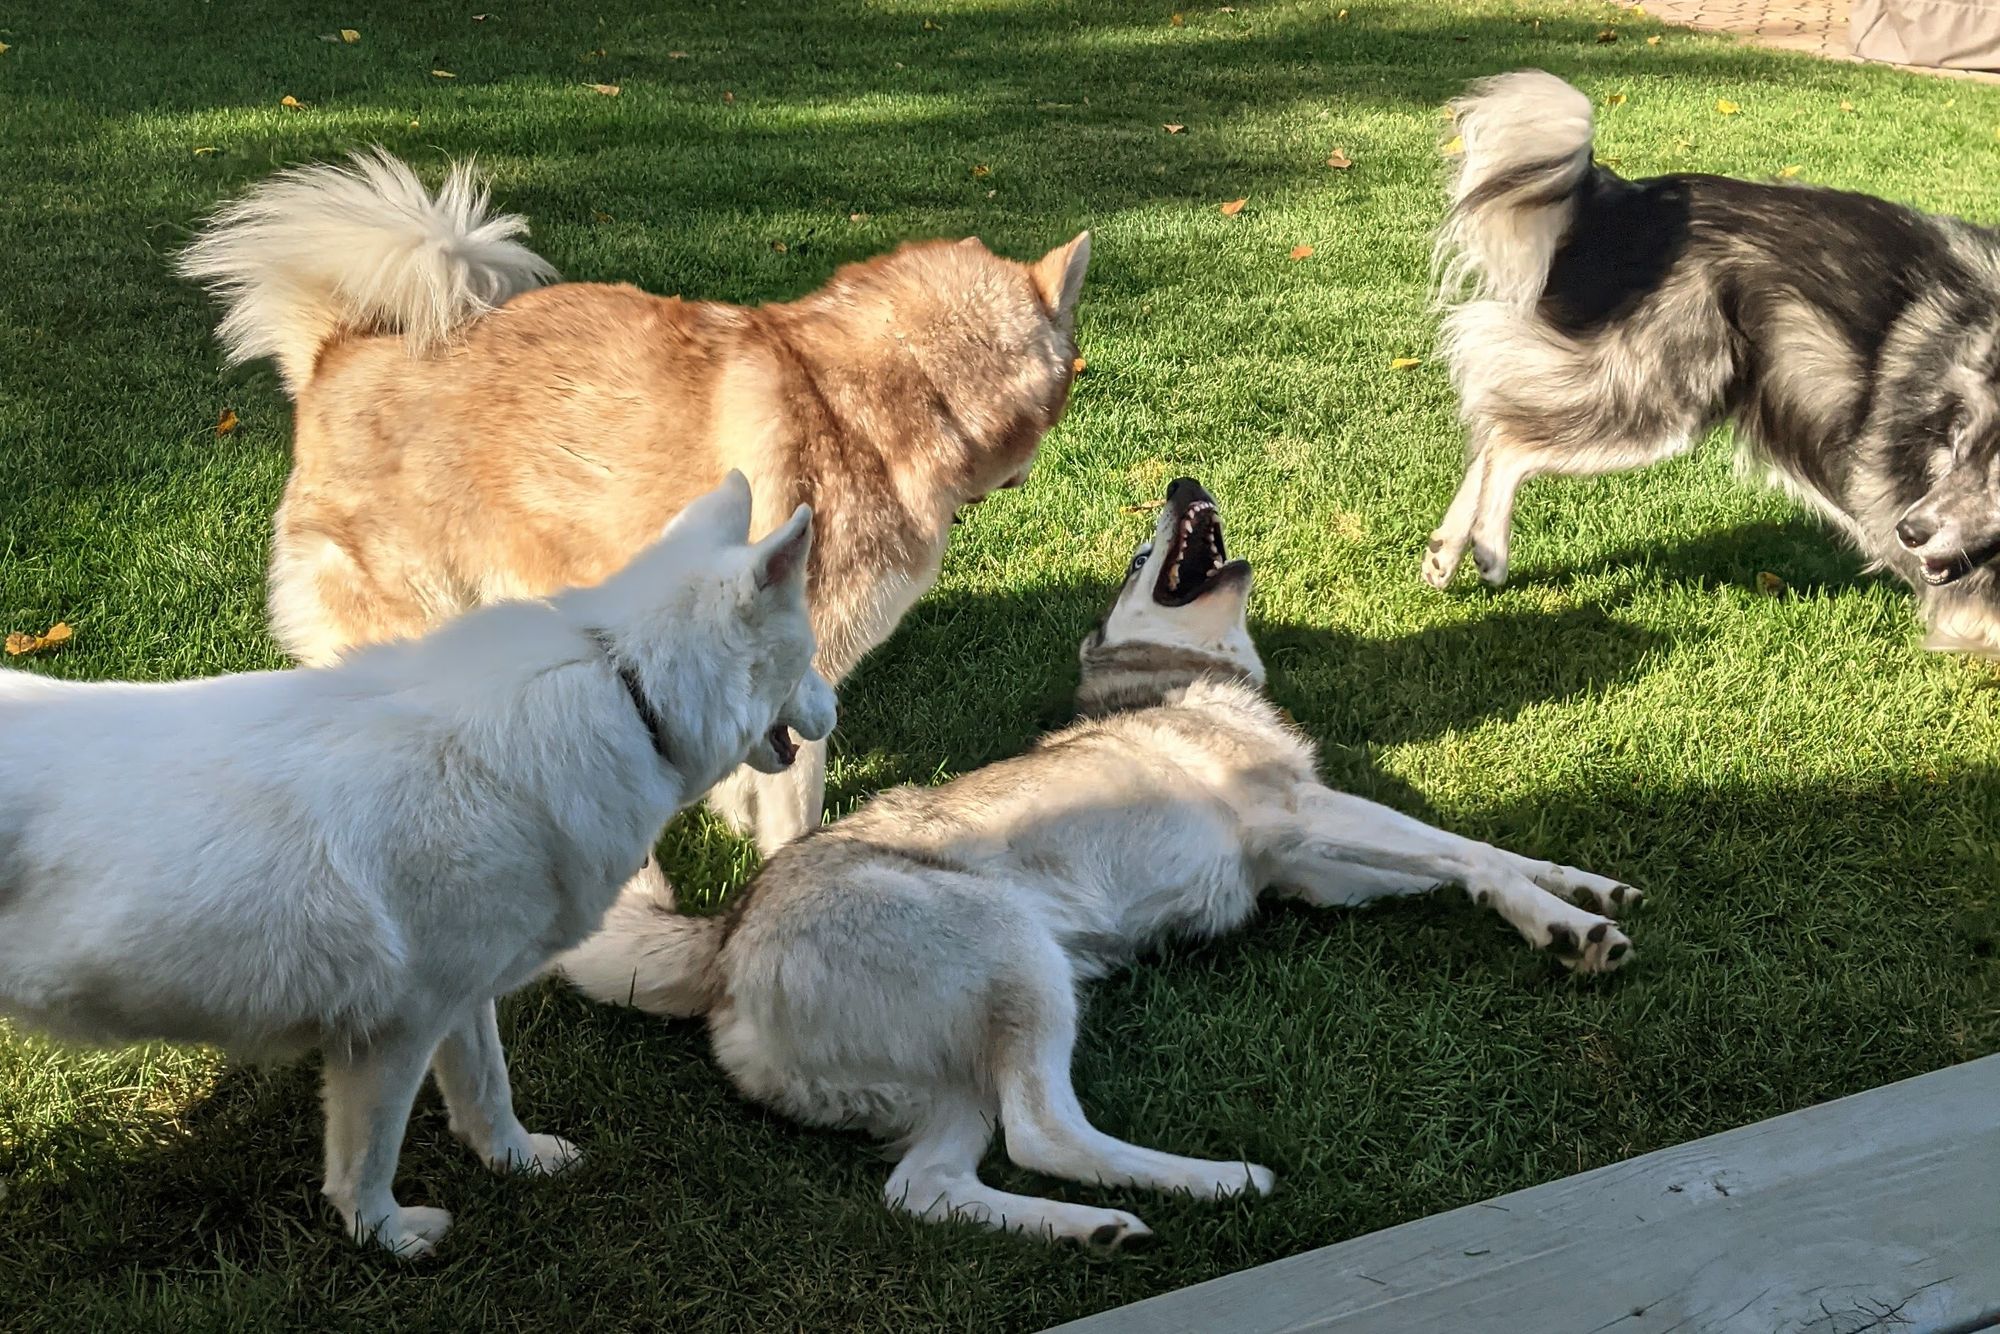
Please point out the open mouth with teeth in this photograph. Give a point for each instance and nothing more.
(1937, 571)
(782, 744)
(1196, 560)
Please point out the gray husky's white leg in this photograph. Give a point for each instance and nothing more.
(937, 1179)
(1448, 543)
(471, 1072)
(1314, 851)
(1046, 1131)
(368, 1095)
(774, 809)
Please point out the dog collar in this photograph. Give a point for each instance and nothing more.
(648, 715)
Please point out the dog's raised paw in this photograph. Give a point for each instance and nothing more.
(1440, 562)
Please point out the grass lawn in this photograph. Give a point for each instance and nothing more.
(1809, 799)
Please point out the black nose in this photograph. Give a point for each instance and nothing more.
(1180, 482)
(1913, 533)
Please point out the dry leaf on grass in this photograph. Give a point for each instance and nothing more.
(1178, 20)
(481, 18)
(227, 422)
(1142, 506)
(1078, 365)
(1234, 206)
(1404, 363)
(1786, 173)
(442, 74)
(1654, 40)
(1339, 161)
(857, 217)
(1725, 107)
(1845, 105)
(1302, 252)
(1770, 585)
(728, 98)
(289, 101)
(4, 48)
(598, 215)
(1173, 129)
(1615, 100)
(980, 171)
(206, 150)
(1455, 147)
(603, 89)
(350, 36)
(19, 643)
(1607, 36)
(780, 247)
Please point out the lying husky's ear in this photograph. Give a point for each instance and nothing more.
(781, 557)
(721, 515)
(1058, 275)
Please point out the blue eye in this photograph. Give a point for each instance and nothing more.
(1139, 561)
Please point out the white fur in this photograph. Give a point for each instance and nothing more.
(361, 857)
(324, 248)
(913, 969)
(1527, 122)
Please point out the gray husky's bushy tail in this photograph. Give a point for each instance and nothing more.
(647, 954)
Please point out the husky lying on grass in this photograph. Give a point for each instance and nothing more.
(360, 858)
(913, 969)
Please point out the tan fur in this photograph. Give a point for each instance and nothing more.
(539, 443)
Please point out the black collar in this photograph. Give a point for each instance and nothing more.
(656, 727)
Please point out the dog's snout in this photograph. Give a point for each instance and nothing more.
(1913, 533)
(1174, 487)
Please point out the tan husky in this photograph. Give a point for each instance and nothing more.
(464, 434)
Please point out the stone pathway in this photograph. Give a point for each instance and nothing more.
(1815, 27)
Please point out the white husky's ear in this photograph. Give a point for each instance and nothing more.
(721, 515)
(1058, 276)
(781, 557)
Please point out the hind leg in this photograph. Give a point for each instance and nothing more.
(937, 1179)
(471, 1072)
(1046, 1130)
(323, 601)
(1447, 544)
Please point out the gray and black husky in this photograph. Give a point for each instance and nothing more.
(1597, 324)
(912, 970)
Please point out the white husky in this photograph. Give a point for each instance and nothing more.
(361, 857)
(913, 969)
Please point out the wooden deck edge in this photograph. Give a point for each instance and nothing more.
(1876, 1212)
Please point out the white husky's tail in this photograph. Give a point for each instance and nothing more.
(1527, 141)
(322, 249)
(648, 955)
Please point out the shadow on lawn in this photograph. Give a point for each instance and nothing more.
(1809, 556)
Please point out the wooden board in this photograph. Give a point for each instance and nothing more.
(1879, 1212)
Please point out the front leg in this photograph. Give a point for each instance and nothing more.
(1336, 849)
(471, 1072)
(368, 1093)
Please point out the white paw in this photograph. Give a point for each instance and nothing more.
(1596, 892)
(1220, 1181)
(411, 1233)
(1441, 560)
(1119, 1231)
(1492, 566)
(542, 1155)
(1600, 948)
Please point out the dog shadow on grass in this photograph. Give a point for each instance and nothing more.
(1809, 557)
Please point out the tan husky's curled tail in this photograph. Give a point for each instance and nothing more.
(323, 249)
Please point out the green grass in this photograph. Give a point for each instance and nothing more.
(1809, 799)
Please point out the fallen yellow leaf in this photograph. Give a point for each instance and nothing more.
(481, 18)
(1404, 363)
(1770, 585)
(1615, 100)
(980, 171)
(603, 89)
(1178, 20)
(1786, 173)
(1846, 105)
(728, 98)
(1654, 40)
(1455, 147)
(350, 36)
(933, 27)
(1142, 506)
(599, 215)
(1341, 15)
(57, 636)
(1725, 107)
(289, 101)
(1302, 252)
(1607, 36)
(857, 217)
(1173, 129)
(1339, 161)
(205, 150)
(227, 422)
(5, 48)
(1234, 206)
(779, 246)
(442, 74)
(1077, 365)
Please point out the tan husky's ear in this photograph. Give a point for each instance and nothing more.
(1058, 275)
(781, 557)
